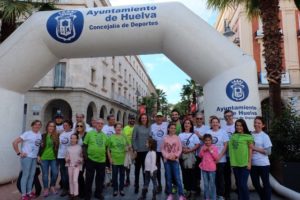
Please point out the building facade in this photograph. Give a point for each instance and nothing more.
(95, 87)
(247, 33)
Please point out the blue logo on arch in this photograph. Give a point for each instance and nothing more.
(237, 90)
(65, 26)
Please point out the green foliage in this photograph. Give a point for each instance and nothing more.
(189, 94)
(285, 135)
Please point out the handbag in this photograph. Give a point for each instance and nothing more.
(188, 159)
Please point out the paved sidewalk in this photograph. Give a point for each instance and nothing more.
(10, 192)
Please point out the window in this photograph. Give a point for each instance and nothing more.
(119, 90)
(93, 75)
(112, 88)
(103, 82)
(129, 79)
(120, 68)
(125, 74)
(113, 63)
(60, 74)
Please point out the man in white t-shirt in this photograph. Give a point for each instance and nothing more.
(109, 128)
(159, 130)
(200, 129)
(80, 118)
(229, 128)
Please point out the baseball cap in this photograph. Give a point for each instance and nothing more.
(159, 114)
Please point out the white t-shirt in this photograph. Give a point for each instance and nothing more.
(150, 161)
(64, 142)
(158, 133)
(202, 130)
(108, 130)
(229, 129)
(194, 140)
(31, 143)
(261, 140)
(59, 128)
(219, 138)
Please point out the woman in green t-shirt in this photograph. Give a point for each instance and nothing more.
(240, 153)
(116, 154)
(47, 157)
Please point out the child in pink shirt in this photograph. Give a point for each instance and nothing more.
(74, 163)
(209, 155)
(171, 149)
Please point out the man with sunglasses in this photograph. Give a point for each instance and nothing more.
(200, 129)
(229, 128)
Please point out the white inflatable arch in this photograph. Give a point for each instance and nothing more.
(228, 75)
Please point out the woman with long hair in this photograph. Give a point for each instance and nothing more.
(240, 153)
(260, 161)
(141, 133)
(47, 157)
(30, 141)
(190, 143)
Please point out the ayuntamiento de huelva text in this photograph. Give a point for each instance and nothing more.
(125, 14)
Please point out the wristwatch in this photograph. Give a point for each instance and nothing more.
(18, 153)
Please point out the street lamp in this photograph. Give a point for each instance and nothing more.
(138, 94)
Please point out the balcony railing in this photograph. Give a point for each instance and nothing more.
(121, 99)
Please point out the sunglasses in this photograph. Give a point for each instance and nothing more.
(81, 126)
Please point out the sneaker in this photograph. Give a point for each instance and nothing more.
(31, 195)
(170, 197)
(46, 193)
(25, 197)
(159, 189)
(53, 190)
(115, 193)
(181, 197)
(122, 193)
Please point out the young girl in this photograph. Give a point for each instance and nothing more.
(150, 169)
(260, 161)
(171, 149)
(209, 155)
(117, 149)
(240, 153)
(74, 163)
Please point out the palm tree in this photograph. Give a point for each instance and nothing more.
(268, 10)
(161, 99)
(13, 12)
(189, 93)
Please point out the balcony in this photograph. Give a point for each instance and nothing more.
(121, 99)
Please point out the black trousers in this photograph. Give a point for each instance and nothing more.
(91, 168)
(81, 182)
(220, 180)
(139, 163)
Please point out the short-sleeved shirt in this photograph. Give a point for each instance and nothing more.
(186, 142)
(261, 140)
(239, 149)
(64, 142)
(108, 130)
(178, 128)
(202, 130)
(117, 145)
(158, 133)
(218, 139)
(31, 143)
(48, 153)
(127, 131)
(97, 143)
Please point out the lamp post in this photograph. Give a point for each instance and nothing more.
(138, 94)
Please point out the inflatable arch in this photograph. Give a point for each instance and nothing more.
(228, 75)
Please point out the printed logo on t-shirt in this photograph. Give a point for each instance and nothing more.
(215, 140)
(37, 142)
(99, 142)
(120, 145)
(109, 133)
(160, 133)
(171, 148)
(64, 140)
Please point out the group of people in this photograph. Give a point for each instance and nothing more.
(212, 152)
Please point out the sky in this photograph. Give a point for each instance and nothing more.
(158, 65)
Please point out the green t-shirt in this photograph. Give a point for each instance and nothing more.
(48, 153)
(117, 145)
(127, 131)
(239, 150)
(178, 128)
(97, 143)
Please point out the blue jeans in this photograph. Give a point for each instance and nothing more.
(209, 185)
(28, 166)
(118, 171)
(45, 172)
(241, 176)
(263, 173)
(172, 173)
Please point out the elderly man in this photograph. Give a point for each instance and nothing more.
(94, 151)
